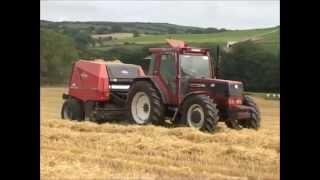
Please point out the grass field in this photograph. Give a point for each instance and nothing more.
(85, 150)
(113, 35)
(220, 37)
(269, 38)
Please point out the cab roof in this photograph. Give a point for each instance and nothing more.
(178, 46)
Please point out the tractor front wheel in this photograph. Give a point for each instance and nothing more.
(199, 112)
(254, 121)
(144, 104)
(72, 110)
(233, 124)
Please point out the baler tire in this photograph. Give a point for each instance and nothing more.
(76, 107)
(255, 120)
(210, 111)
(157, 108)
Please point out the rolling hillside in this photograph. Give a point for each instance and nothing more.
(156, 33)
(269, 38)
(220, 37)
(142, 27)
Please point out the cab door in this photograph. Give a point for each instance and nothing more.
(168, 75)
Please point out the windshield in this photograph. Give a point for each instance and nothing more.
(195, 65)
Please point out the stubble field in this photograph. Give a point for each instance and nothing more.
(86, 150)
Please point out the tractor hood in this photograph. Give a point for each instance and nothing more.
(217, 86)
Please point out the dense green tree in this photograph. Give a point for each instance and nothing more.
(102, 30)
(194, 31)
(100, 41)
(211, 30)
(57, 52)
(136, 33)
(82, 40)
(257, 69)
(116, 28)
(91, 29)
(172, 30)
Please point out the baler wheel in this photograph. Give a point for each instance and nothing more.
(199, 112)
(72, 110)
(254, 121)
(144, 104)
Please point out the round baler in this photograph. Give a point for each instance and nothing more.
(98, 90)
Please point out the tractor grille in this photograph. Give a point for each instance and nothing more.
(235, 89)
(220, 89)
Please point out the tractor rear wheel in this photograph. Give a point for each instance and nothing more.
(254, 121)
(199, 112)
(72, 109)
(145, 104)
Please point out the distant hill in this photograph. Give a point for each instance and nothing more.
(122, 33)
(141, 27)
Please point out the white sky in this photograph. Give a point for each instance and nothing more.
(220, 14)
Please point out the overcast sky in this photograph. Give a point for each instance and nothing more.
(221, 14)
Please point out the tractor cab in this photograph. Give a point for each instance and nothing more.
(182, 69)
(185, 61)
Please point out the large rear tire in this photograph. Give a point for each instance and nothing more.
(199, 112)
(145, 105)
(255, 120)
(72, 109)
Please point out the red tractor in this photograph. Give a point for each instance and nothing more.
(180, 86)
